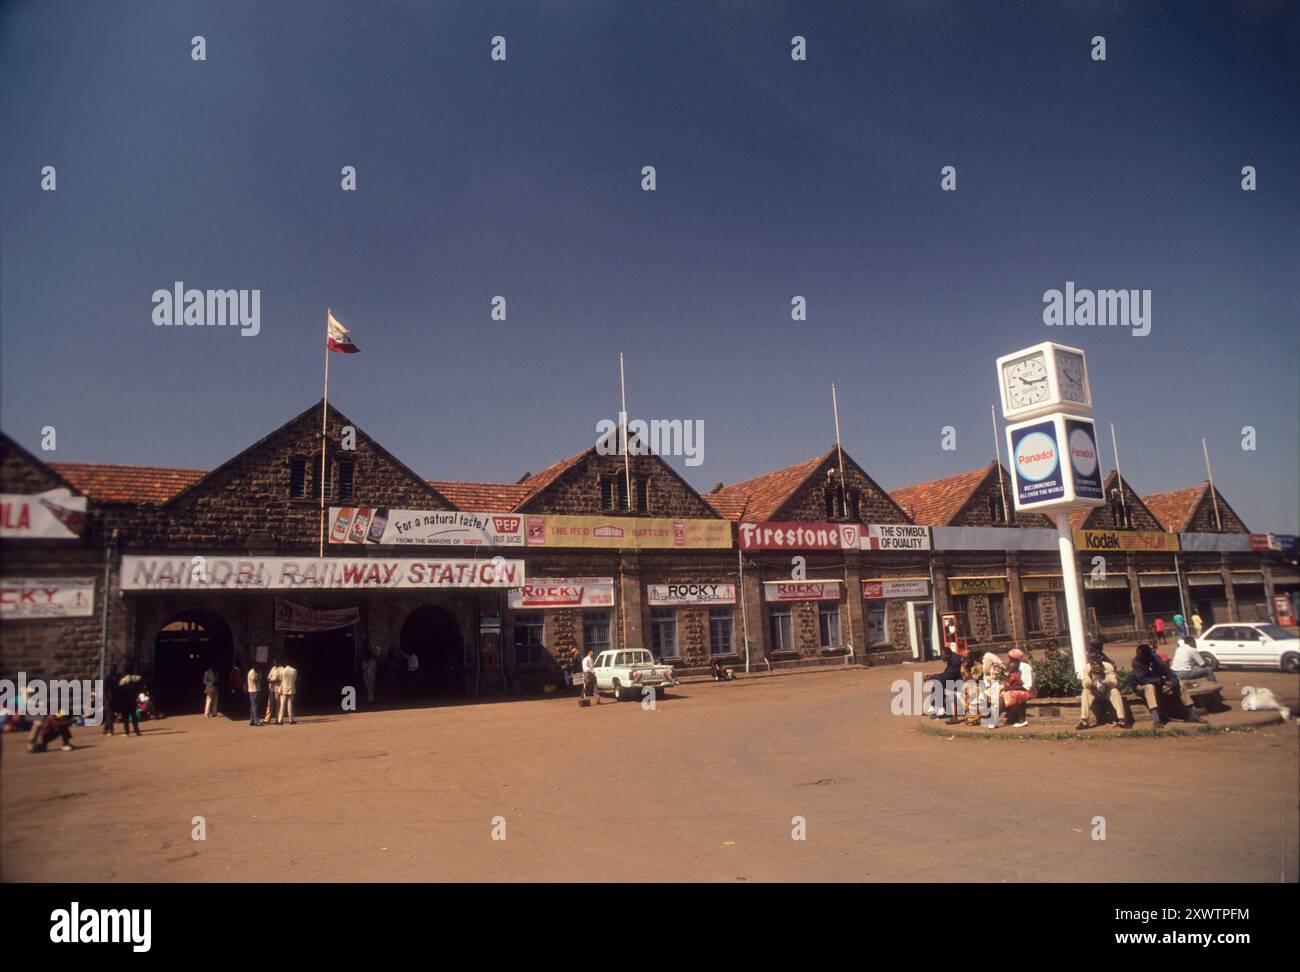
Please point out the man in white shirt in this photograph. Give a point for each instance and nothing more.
(288, 687)
(1189, 664)
(253, 684)
(589, 678)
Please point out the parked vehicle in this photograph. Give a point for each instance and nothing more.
(625, 673)
(1250, 645)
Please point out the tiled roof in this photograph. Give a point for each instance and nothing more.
(127, 484)
(535, 483)
(1175, 507)
(759, 498)
(482, 497)
(935, 503)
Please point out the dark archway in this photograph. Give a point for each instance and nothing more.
(187, 644)
(431, 634)
(326, 663)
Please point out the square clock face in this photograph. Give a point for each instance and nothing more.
(1047, 377)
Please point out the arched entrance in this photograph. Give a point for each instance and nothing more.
(188, 644)
(326, 662)
(431, 634)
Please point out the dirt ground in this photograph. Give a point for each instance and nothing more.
(704, 788)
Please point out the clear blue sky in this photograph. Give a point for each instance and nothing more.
(775, 179)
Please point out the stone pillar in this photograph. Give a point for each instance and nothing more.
(941, 600)
(1228, 591)
(630, 632)
(1016, 599)
(1269, 591)
(1135, 598)
(751, 609)
(855, 632)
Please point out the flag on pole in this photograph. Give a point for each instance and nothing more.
(337, 337)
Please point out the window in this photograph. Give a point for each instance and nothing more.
(842, 504)
(663, 632)
(998, 614)
(641, 495)
(997, 508)
(297, 478)
(828, 619)
(595, 631)
(877, 632)
(613, 492)
(721, 631)
(347, 477)
(528, 639)
(782, 629)
(1033, 616)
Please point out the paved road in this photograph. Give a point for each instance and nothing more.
(704, 788)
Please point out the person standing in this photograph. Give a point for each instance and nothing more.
(589, 678)
(210, 693)
(288, 688)
(369, 668)
(1180, 625)
(124, 702)
(108, 699)
(1197, 623)
(1159, 627)
(253, 679)
(272, 691)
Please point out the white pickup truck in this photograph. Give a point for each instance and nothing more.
(627, 672)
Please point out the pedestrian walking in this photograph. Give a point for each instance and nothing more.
(210, 693)
(1180, 625)
(1197, 623)
(106, 699)
(1159, 626)
(288, 688)
(254, 680)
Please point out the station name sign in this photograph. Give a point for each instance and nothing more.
(203, 572)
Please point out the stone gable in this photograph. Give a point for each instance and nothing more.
(577, 489)
(808, 501)
(978, 509)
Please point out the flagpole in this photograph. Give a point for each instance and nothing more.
(997, 451)
(324, 411)
(844, 496)
(1123, 500)
(627, 463)
(1209, 471)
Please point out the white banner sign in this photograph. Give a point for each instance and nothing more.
(670, 595)
(563, 592)
(801, 590)
(879, 589)
(448, 528)
(299, 617)
(895, 536)
(214, 572)
(27, 598)
(53, 515)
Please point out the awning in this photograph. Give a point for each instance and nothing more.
(1247, 577)
(1107, 584)
(1214, 579)
(1158, 579)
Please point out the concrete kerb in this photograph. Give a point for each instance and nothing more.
(1057, 735)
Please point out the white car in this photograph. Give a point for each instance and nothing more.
(1250, 645)
(626, 672)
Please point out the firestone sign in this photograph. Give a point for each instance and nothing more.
(800, 536)
(202, 572)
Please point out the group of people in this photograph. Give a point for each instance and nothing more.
(1159, 628)
(981, 687)
(281, 684)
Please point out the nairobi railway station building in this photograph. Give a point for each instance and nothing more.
(462, 588)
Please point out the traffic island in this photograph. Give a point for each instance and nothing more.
(1057, 718)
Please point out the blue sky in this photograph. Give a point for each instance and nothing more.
(775, 179)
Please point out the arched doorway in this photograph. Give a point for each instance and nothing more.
(326, 662)
(431, 634)
(188, 644)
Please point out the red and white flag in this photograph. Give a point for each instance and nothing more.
(337, 337)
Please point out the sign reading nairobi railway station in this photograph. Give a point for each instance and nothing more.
(203, 572)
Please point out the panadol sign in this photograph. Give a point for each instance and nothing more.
(1054, 463)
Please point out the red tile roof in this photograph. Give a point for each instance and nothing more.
(935, 503)
(539, 481)
(1174, 508)
(482, 497)
(127, 484)
(759, 498)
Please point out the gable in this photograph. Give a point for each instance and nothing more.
(248, 496)
(1109, 516)
(807, 500)
(573, 487)
(989, 495)
(23, 473)
(1202, 519)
